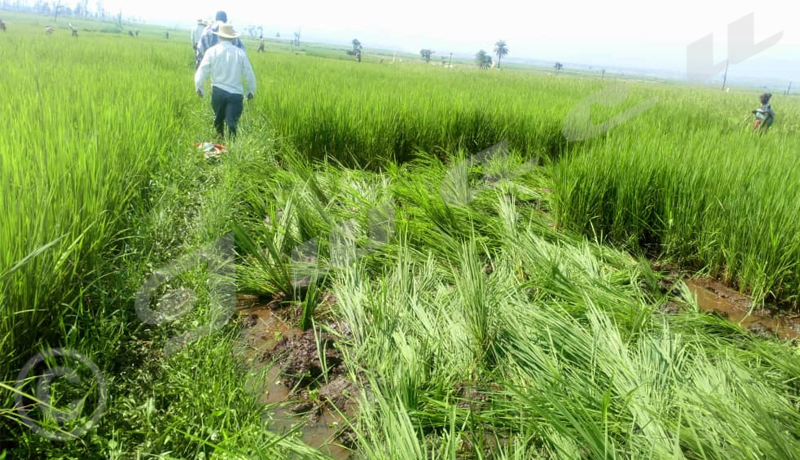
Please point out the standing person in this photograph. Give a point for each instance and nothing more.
(197, 32)
(2, 26)
(261, 45)
(227, 65)
(209, 37)
(765, 116)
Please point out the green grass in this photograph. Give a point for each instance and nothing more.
(489, 330)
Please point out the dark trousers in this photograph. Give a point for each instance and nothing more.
(227, 109)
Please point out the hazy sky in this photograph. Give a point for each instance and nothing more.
(622, 33)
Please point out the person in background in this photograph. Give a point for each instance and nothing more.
(262, 45)
(3, 26)
(209, 37)
(168, 35)
(197, 32)
(227, 65)
(765, 116)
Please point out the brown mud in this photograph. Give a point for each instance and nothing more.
(307, 386)
(715, 298)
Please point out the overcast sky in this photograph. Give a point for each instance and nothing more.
(623, 33)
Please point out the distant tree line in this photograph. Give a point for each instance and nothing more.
(78, 10)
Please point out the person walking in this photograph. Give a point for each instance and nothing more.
(197, 32)
(209, 37)
(227, 65)
(262, 45)
(2, 26)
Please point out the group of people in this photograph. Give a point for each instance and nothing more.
(220, 55)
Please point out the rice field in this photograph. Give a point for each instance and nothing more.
(524, 320)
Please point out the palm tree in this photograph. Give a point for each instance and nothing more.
(558, 67)
(500, 49)
(483, 59)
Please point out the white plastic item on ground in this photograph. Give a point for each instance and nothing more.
(211, 150)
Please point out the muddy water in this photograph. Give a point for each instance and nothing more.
(728, 303)
(319, 431)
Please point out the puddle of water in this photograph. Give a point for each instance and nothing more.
(320, 433)
(714, 297)
(264, 333)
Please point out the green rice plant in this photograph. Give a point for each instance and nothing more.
(491, 328)
(712, 199)
(79, 141)
(368, 114)
(585, 367)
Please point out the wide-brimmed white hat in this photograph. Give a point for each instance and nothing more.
(227, 31)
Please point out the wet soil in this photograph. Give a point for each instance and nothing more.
(716, 298)
(308, 388)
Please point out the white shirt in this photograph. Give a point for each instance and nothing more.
(227, 65)
(197, 33)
